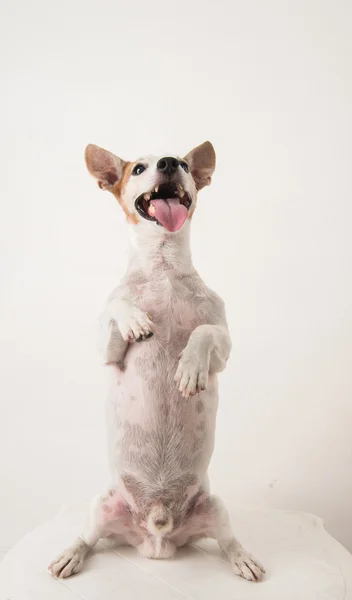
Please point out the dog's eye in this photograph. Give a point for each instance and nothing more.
(138, 169)
(184, 166)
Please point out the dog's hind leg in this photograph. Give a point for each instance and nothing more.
(243, 564)
(210, 519)
(103, 519)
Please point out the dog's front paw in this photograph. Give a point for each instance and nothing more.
(244, 565)
(192, 373)
(135, 325)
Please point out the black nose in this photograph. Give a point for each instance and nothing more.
(167, 165)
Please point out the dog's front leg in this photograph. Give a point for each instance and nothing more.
(207, 351)
(121, 324)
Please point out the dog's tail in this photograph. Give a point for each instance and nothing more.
(159, 521)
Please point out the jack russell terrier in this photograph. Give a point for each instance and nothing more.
(163, 395)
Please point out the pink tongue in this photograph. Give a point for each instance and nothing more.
(170, 213)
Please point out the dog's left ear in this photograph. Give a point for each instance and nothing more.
(104, 166)
(201, 161)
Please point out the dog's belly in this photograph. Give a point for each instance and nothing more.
(159, 442)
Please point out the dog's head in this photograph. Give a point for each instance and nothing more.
(154, 191)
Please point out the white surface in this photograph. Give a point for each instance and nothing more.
(303, 563)
(269, 83)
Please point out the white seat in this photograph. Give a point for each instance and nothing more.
(302, 560)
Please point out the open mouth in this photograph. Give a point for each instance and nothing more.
(168, 205)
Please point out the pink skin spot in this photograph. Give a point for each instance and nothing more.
(114, 507)
(107, 509)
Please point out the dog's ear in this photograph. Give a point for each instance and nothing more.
(104, 166)
(201, 161)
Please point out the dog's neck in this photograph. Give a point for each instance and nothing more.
(156, 250)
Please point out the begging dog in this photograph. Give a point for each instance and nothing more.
(165, 339)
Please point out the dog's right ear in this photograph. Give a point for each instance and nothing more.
(201, 161)
(104, 166)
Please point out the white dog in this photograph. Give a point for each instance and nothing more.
(163, 396)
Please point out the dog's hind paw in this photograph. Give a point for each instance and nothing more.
(69, 562)
(246, 566)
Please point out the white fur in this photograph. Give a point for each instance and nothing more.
(146, 181)
(163, 396)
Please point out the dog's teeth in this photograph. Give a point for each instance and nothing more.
(147, 196)
(157, 189)
(151, 210)
(181, 191)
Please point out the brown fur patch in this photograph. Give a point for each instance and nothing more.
(201, 161)
(118, 191)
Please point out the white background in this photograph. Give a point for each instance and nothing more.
(269, 83)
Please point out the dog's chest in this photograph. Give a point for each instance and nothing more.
(176, 305)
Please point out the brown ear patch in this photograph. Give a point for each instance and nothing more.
(111, 173)
(201, 161)
(104, 166)
(119, 189)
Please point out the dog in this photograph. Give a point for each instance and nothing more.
(165, 339)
